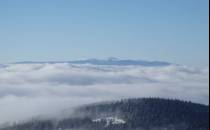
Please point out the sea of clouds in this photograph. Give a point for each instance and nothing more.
(30, 90)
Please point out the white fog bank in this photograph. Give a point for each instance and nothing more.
(29, 90)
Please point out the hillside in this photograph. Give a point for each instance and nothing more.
(131, 114)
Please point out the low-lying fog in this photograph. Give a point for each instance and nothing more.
(29, 90)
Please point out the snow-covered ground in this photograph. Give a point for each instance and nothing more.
(110, 121)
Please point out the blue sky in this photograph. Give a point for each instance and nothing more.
(49, 30)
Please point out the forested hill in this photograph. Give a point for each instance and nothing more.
(131, 114)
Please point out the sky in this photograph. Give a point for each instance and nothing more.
(54, 30)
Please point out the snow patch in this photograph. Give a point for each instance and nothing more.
(110, 121)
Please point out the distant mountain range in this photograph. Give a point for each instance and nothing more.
(109, 61)
(2, 66)
(131, 114)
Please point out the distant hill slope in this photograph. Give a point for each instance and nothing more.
(131, 114)
(110, 61)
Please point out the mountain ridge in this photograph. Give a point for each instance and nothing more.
(109, 61)
(129, 114)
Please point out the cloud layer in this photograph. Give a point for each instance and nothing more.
(28, 90)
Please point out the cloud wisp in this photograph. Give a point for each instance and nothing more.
(29, 90)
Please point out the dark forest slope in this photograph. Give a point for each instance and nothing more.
(132, 114)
